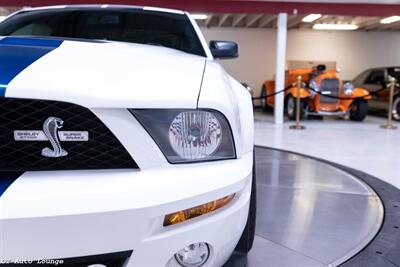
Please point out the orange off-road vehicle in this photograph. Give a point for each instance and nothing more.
(322, 95)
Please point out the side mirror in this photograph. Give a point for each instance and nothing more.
(248, 88)
(224, 49)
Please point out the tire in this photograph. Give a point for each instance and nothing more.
(247, 239)
(263, 100)
(291, 106)
(358, 110)
(396, 108)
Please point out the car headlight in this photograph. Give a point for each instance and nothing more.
(188, 135)
(348, 88)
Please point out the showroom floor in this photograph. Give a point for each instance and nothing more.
(363, 146)
(311, 213)
(308, 213)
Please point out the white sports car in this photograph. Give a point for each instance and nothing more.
(123, 142)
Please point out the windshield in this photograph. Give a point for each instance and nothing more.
(118, 24)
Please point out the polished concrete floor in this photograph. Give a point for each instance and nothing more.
(309, 213)
(360, 145)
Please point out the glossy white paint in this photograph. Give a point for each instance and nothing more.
(80, 213)
(88, 213)
(61, 193)
(220, 91)
(113, 75)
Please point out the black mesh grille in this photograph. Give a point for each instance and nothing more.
(330, 85)
(101, 151)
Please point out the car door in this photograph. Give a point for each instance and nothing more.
(374, 82)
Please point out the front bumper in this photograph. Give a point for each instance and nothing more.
(68, 214)
(327, 113)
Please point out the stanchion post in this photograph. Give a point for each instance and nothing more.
(389, 124)
(297, 126)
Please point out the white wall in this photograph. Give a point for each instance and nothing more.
(353, 51)
(257, 49)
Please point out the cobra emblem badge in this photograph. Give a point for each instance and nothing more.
(51, 133)
(50, 129)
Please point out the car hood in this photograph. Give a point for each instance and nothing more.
(100, 74)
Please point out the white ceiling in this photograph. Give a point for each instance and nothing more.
(294, 21)
(338, 1)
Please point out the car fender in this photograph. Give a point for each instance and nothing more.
(361, 92)
(223, 93)
(304, 93)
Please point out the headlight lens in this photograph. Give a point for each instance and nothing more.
(195, 134)
(348, 88)
(189, 135)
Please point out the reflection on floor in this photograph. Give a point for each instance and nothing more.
(309, 213)
(360, 145)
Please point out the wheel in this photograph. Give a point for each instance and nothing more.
(246, 240)
(396, 108)
(291, 106)
(358, 110)
(263, 100)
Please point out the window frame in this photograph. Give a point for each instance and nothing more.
(368, 79)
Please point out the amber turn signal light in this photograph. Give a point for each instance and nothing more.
(184, 215)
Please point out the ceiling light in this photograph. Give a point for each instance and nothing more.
(311, 17)
(343, 27)
(389, 20)
(199, 16)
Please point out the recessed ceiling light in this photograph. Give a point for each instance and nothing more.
(343, 27)
(311, 17)
(389, 20)
(199, 16)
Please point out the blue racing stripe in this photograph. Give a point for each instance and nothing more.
(6, 179)
(17, 53)
(31, 41)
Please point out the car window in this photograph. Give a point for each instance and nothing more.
(117, 24)
(395, 73)
(360, 79)
(376, 77)
(34, 29)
